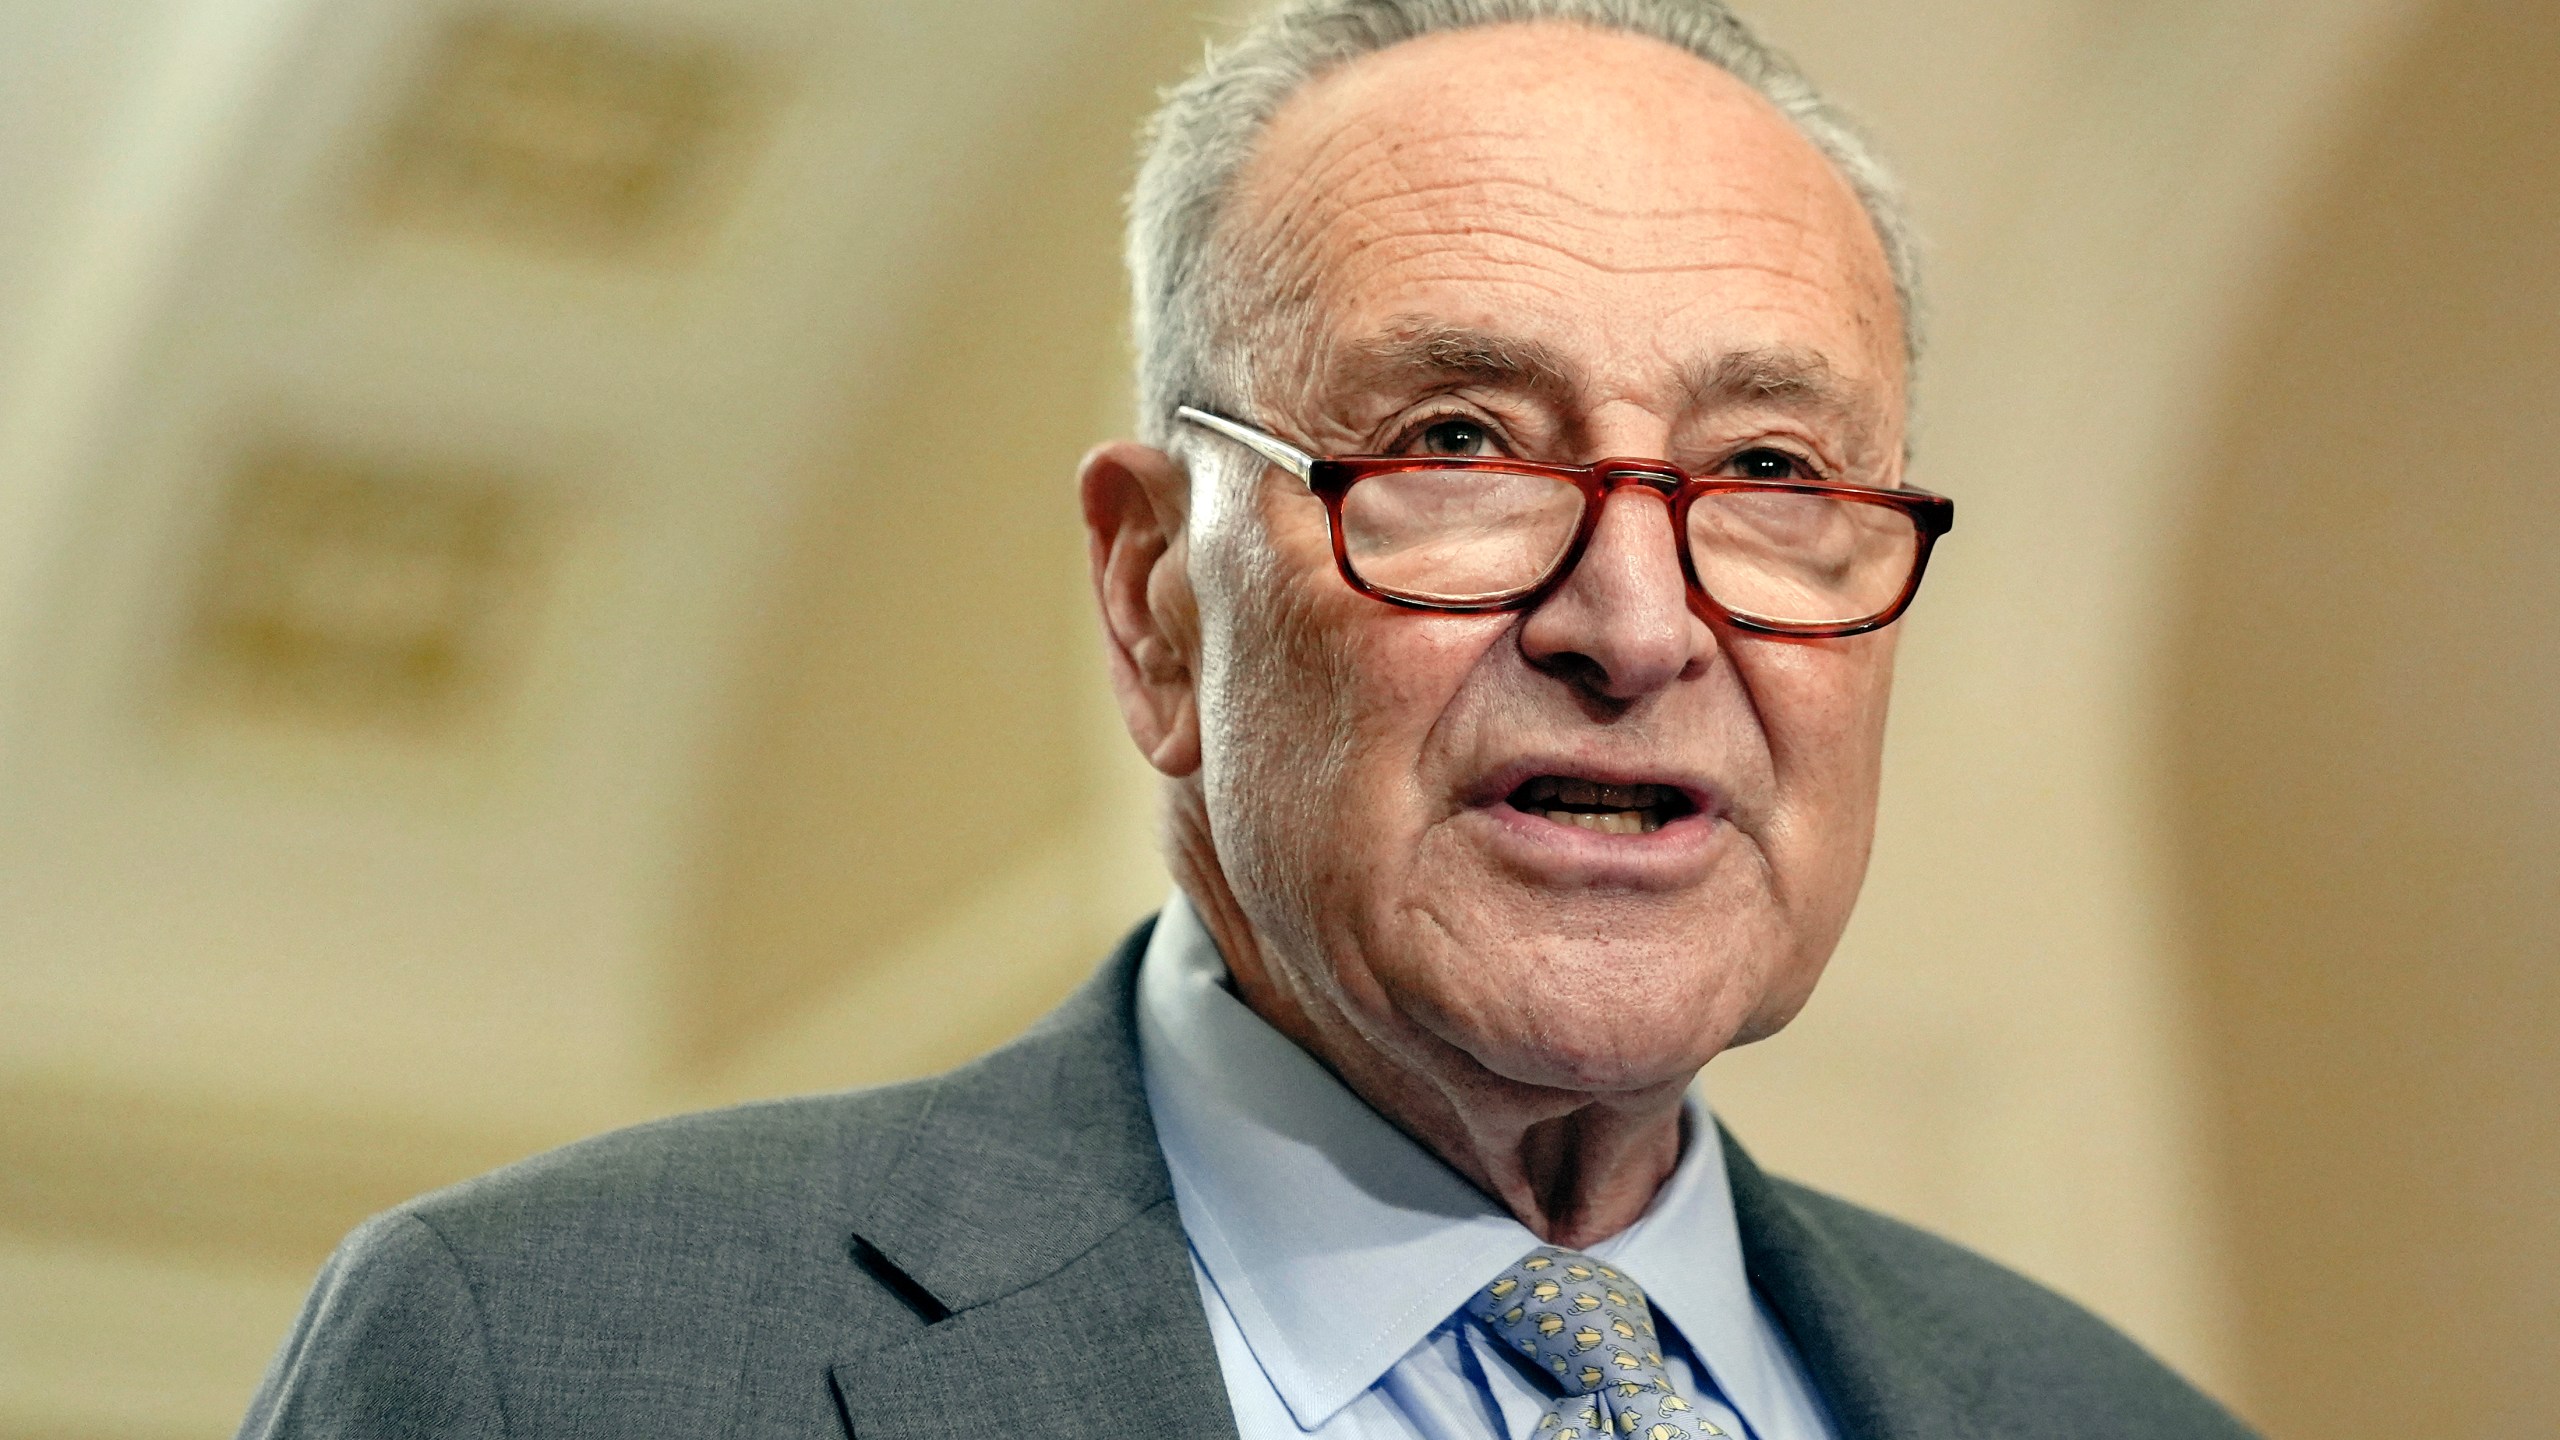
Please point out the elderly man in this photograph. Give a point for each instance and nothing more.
(1504, 593)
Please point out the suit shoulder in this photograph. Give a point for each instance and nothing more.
(388, 1343)
(770, 1171)
(2042, 1360)
(696, 1275)
(627, 1284)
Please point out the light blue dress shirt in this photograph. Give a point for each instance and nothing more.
(1335, 1255)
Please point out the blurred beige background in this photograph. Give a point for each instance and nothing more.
(539, 588)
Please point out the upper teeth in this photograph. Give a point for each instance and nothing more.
(1554, 790)
(1608, 809)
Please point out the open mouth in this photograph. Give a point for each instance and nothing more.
(1608, 809)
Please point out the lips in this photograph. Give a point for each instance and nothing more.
(1584, 822)
(1627, 801)
(1640, 808)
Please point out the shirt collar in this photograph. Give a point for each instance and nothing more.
(1339, 1243)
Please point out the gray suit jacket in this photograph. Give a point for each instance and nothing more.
(996, 1252)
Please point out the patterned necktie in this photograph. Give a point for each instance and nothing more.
(1588, 1325)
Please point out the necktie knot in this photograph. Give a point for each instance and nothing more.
(1588, 1326)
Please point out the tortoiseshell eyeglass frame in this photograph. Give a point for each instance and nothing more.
(1330, 478)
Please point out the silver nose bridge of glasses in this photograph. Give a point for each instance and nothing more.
(1661, 479)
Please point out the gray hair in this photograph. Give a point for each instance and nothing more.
(1189, 303)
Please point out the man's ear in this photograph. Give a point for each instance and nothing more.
(1135, 502)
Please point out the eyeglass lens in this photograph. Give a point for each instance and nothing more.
(1482, 536)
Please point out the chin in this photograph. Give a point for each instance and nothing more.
(1586, 1069)
(1596, 1020)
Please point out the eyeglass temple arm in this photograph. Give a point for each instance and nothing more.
(1279, 452)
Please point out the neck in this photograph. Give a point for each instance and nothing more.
(1575, 1167)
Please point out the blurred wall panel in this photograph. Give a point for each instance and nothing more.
(914, 732)
(64, 66)
(460, 394)
(2367, 708)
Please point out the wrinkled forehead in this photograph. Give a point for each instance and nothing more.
(1615, 200)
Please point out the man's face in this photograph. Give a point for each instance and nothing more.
(1560, 244)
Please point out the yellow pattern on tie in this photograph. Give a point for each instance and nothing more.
(1588, 1326)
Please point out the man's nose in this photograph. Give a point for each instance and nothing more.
(1621, 624)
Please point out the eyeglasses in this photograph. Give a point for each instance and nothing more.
(1801, 558)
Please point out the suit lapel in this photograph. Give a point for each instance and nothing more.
(1031, 1211)
(1031, 1218)
(1881, 1365)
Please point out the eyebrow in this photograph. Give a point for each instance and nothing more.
(1424, 353)
(1803, 381)
(1797, 379)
